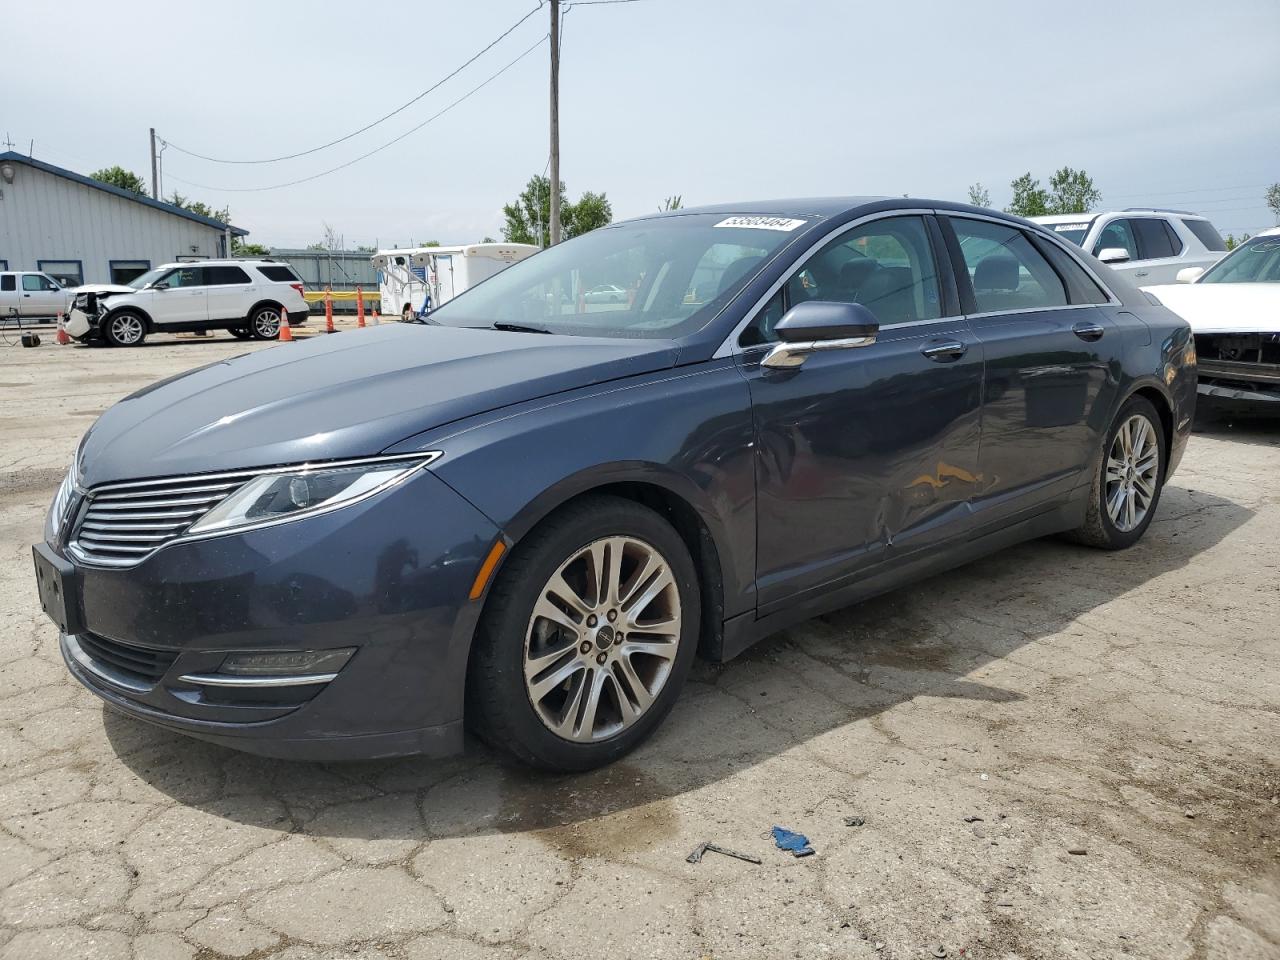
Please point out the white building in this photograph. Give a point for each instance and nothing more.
(82, 231)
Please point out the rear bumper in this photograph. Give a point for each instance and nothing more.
(299, 317)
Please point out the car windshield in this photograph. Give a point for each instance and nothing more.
(1074, 231)
(1254, 261)
(151, 276)
(658, 278)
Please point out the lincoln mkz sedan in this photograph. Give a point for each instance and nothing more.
(529, 513)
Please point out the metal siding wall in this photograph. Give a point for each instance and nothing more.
(46, 217)
(349, 268)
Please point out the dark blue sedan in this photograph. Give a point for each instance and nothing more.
(531, 512)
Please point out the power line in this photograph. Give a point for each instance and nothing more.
(1182, 193)
(370, 126)
(365, 156)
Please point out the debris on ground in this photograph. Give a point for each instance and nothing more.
(700, 849)
(1077, 851)
(855, 821)
(1189, 814)
(973, 819)
(939, 951)
(797, 843)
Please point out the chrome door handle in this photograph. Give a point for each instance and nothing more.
(1088, 331)
(1141, 273)
(944, 351)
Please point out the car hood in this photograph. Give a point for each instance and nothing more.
(102, 288)
(350, 395)
(1224, 307)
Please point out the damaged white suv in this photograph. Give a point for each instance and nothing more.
(247, 297)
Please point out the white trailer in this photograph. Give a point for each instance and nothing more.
(415, 280)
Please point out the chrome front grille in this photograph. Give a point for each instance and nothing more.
(125, 522)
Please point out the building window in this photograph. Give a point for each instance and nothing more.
(4, 264)
(69, 273)
(122, 271)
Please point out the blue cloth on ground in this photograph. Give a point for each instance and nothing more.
(797, 843)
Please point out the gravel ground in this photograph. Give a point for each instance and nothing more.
(1057, 753)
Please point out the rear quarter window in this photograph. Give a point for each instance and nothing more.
(279, 273)
(8, 282)
(1206, 233)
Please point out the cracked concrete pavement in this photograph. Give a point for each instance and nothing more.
(1125, 705)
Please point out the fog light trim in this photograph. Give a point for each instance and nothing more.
(230, 680)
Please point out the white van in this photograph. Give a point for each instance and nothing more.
(414, 280)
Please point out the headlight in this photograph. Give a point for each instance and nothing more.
(290, 495)
(61, 499)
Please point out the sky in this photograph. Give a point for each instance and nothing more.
(1163, 102)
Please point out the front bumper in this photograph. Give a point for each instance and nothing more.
(388, 576)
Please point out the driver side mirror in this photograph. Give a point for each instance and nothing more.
(1189, 274)
(161, 285)
(819, 325)
(1114, 255)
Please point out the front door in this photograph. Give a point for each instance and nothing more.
(869, 454)
(179, 298)
(40, 296)
(1049, 354)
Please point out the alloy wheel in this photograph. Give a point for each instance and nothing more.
(602, 639)
(1131, 474)
(126, 329)
(266, 323)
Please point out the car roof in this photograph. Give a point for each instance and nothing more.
(825, 208)
(254, 261)
(1064, 217)
(1126, 212)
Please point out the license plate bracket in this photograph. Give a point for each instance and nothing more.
(57, 581)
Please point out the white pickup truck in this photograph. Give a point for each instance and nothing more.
(28, 294)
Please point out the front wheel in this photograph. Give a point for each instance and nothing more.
(265, 323)
(587, 637)
(1127, 484)
(125, 329)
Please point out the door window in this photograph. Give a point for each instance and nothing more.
(1005, 269)
(8, 282)
(224, 276)
(1081, 287)
(184, 277)
(124, 271)
(36, 283)
(1153, 239)
(1117, 234)
(885, 265)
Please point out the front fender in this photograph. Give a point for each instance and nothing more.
(687, 431)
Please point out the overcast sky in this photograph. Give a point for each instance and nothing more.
(1162, 102)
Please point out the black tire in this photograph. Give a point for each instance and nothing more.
(499, 708)
(241, 333)
(124, 328)
(264, 322)
(1099, 529)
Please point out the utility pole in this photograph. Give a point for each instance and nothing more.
(155, 178)
(555, 122)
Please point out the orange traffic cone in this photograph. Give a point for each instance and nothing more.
(359, 307)
(286, 331)
(328, 310)
(63, 337)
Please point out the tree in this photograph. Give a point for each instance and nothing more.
(199, 207)
(1232, 242)
(1072, 191)
(1029, 198)
(671, 203)
(118, 176)
(241, 249)
(1273, 200)
(978, 195)
(527, 218)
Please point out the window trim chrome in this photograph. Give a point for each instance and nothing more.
(231, 680)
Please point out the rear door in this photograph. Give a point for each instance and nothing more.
(1158, 249)
(1052, 356)
(865, 455)
(179, 299)
(231, 292)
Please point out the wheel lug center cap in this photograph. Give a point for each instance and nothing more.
(604, 637)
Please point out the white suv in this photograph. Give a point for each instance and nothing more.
(247, 297)
(1146, 244)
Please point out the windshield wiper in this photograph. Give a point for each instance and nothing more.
(518, 328)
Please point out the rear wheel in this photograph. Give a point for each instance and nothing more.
(124, 329)
(1127, 484)
(587, 637)
(264, 324)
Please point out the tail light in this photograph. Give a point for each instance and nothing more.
(299, 287)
